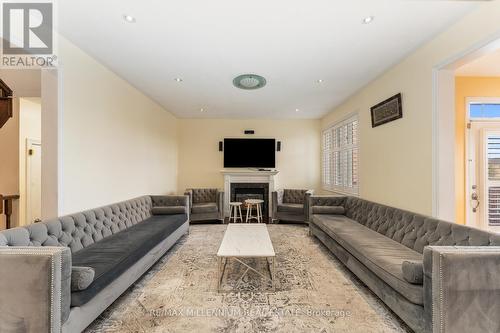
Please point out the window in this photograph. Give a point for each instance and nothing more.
(484, 110)
(340, 157)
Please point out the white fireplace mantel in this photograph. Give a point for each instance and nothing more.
(247, 176)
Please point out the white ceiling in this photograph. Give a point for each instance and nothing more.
(487, 65)
(291, 43)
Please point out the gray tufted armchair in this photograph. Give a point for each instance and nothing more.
(206, 204)
(291, 205)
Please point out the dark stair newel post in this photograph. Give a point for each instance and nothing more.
(6, 202)
(5, 103)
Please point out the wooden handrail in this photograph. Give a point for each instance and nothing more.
(6, 207)
(11, 197)
(5, 103)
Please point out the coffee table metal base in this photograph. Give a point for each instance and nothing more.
(221, 266)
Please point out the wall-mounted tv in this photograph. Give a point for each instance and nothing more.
(249, 153)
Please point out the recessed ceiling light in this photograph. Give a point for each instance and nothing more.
(320, 81)
(368, 19)
(178, 79)
(297, 110)
(129, 19)
(202, 110)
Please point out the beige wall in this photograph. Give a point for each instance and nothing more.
(30, 127)
(9, 162)
(116, 142)
(396, 158)
(200, 161)
(467, 87)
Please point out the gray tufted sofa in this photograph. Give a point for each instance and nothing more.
(435, 275)
(291, 205)
(60, 274)
(207, 204)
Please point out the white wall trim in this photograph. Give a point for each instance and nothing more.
(52, 129)
(27, 168)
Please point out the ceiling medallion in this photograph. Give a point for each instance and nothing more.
(249, 81)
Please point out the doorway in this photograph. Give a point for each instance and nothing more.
(482, 195)
(30, 169)
(478, 65)
(37, 117)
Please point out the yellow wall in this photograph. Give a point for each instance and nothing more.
(467, 87)
(117, 143)
(396, 158)
(200, 162)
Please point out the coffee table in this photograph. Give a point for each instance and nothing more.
(242, 241)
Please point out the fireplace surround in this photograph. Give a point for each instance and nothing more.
(253, 182)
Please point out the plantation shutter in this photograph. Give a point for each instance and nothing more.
(340, 157)
(493, 179)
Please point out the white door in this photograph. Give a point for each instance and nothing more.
(484, 175)
(33, 181)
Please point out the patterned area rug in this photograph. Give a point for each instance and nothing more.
(314, 292)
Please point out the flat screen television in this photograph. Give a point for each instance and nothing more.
(249, 153)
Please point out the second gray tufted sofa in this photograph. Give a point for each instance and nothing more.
(118, 242)
(401, 257)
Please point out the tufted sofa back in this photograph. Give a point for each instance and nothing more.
(80, 230)
(294, 196)
(204, 195)
(413, 230)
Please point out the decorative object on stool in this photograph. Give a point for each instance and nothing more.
(387, 111)
(258, 208)
(235, 212)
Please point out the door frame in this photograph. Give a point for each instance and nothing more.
(443, 113)
(468, 102)
(29, 143)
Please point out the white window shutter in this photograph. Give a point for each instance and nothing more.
(341, 157)
(493, 180)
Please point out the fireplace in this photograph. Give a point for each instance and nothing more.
(249, 183)
(242, 191)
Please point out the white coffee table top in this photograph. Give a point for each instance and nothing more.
(246, 240)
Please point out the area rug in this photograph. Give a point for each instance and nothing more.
(314, 292)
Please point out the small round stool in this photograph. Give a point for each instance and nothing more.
(235, 212)
(258, 207)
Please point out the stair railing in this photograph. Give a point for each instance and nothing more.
(6, 203)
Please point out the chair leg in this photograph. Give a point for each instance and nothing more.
(230, 213)
(241, 215)
(249, 207)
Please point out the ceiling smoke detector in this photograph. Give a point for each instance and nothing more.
(249, 81)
